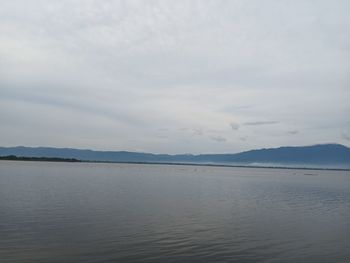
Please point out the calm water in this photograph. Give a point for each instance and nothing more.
(71, 212)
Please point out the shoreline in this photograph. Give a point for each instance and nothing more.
(73, 160)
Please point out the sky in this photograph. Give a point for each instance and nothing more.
(179, 76)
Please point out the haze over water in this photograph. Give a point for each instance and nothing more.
(63, 212)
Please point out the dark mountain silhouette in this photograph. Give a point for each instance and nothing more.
(323, 155)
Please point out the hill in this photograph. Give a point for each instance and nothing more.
(323, 155)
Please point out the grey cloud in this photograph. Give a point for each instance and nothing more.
(254, 123)
(135, 67)
(293, 132)
(198, 132)
(234, 126)
(163, 129)
(218, 138)
(162, 136)
(345, 136)
(67, 102)
(235, 109)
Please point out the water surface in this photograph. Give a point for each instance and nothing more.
(86, 212)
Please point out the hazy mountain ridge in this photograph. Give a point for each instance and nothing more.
(317, 155)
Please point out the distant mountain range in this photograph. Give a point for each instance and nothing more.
(323, 155)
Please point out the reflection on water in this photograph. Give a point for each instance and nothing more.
(80, 212)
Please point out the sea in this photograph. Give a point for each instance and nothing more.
(104, 212)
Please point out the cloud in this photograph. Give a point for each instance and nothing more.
(111, 75)
(234, 126)
(345, 136)
(218, 138)
(198, 132)
(292, 132)
(254, 123)
(163, 130)
(162, 136)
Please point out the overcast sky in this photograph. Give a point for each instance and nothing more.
(174, 76)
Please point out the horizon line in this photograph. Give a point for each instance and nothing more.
(144, 152)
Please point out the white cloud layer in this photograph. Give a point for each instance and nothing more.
(174, 76)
